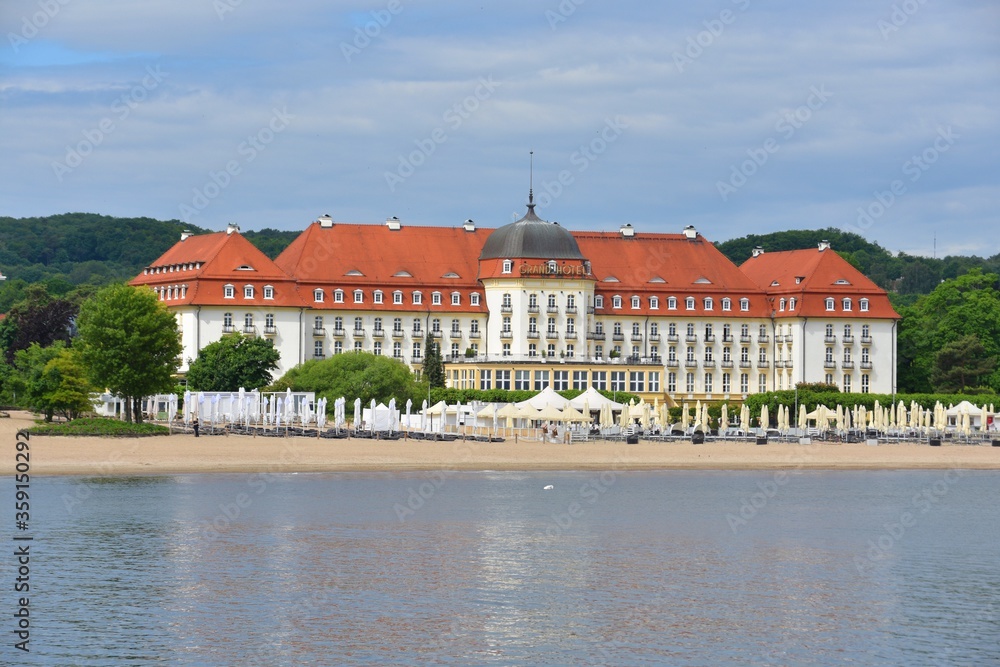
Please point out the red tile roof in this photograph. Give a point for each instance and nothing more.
(814, 275)
(209, 262)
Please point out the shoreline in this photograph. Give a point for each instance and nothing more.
(184, 454)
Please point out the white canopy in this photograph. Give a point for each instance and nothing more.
(595, 399)
(547, 396)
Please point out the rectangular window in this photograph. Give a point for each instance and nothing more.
(579, 380)
(338, 296)
(503, 380)
(377, 296)
(671, 382)
(436, 299)
(474, 299)
(560, 380)
(744, 383)
(654, 380)
(397, 297)
(268, 292)
(318, 296)
(599, 380)
(762, 383)
(248, 292)
(229, 291)
(485, 379)
(418, 298)
(727, 383)
(416, 351)
(522, 380)
(359, 296)
(456, 299)
(637, 381)
(617, 380)
(689, 383)
(708, 382)
(541, 380)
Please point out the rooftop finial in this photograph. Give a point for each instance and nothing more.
(531, 177)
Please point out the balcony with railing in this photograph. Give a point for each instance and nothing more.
(672, 363)
(708, 363)
(709, 338)
(596, 335)
(397, 333)
(358, 333)
(319, 332)
(763, 363)
(570, 334)
(436, 333)
(319, 355)
(727, 338)
(506, 309)
(249, 330)
(228, 328)
(417, 333)
(829, 363)
(690, 363)
(654, 338)
(746, 339)
(691, 338)
(506, 335)
(866, 365)
(551, 309)
(533, 335)
(866, 340)
(672, 338)
(829, 340)
(848, 340)
(532, 309)
(763, 339)
(727, 363)
(455, 334)
(617, 337)
(636, 337)
(474, 334)
(270, 330)
(551, 335)
(338, 333)
(847, 363)
(745, 363)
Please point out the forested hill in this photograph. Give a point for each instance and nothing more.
(902, 273)
(72, 249)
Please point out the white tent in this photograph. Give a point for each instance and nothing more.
(595, 399)
(547, 396)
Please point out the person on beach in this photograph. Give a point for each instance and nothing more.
(194, 424)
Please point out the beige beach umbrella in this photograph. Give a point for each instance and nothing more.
(724, 418)
(586, 411)
(665, 415)
(745, 418)
(982, 419)
(803, 421)
(571, 414)
(625, 416)
(764, 420)
(684, 416)
(840, 417)
(704, 416)
(966, 430)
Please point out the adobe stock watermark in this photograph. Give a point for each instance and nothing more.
(32, 25)
(753, 504)
(921, 503)
(581, 159)
(697, 43)
(562, 12)
(417, 497)
(371, 30)
(120, 109)
(913, 168)
(247, 150)
(452, 119)
(898, 17)
(786, 127)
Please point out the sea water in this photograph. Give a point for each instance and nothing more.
(450, 568)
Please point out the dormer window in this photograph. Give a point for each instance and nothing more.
(229, 292)
(397, 297)
(474, 298)
(418, 298)
(508, 266)
(845, 304)
(830, 302)
(318, 295)
(268, 292)
(672, 303)
(791, 303)
(709, 304)
(781, 305)
(654, 303)
(248, 292)
(744, 304)
(727, 304)
(359, 296)
(599, 301)
(553, 266)
(635, 303)
(616, 302)
(338, 296)
(864, 305)
(456, 299)
(689, 303)
(435, 298)
(377, 296)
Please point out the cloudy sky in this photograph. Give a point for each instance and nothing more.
(736, 116)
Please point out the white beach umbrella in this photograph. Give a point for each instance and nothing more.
(764, 420)
(803, 422)
(423, 415)
(684, 416)
(372, 425)
(724, 418)
(409, 406)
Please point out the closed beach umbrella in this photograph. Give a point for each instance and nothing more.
(684, 416)
(803, 423)
(724, 419)
(423, 415)
(982, 419)
(764, 421)
(409, 406)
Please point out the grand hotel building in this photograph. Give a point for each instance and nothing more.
(531, 304)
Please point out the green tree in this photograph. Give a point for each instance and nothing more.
(70, 390)
(433, 362)
(29, 381)
(962, 363)
(355, 375)
(232, 362)
(38, 318)
(129, 343)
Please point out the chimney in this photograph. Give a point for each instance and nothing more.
(392, 223)
(186, 234)
(469, 225)
(627, 230)
(758, 251)
(231, 228)
(823, 245)
(325, 221)
(690, 233)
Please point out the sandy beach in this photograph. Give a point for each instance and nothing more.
(52, 455)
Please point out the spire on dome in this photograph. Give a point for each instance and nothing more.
(531, 177)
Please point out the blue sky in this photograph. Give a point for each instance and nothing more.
(736, 116)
